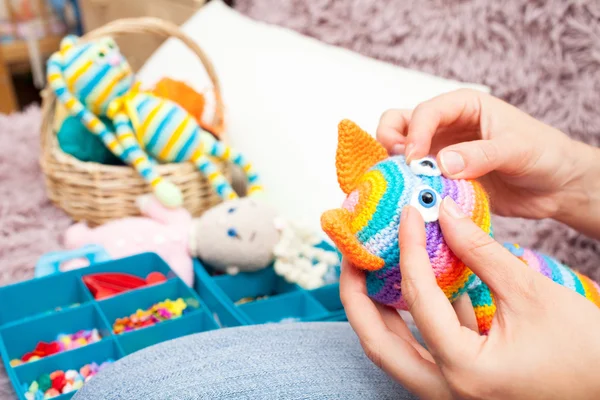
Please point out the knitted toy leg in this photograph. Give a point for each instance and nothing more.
(484, 306)
(166, 192)
(226, 153)
(215, 177)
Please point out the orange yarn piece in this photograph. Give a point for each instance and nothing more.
(190, 100)
(336, 224)
(357, 152)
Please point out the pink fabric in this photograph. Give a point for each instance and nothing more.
(163, 231)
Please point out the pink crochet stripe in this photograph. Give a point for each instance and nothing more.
(532, 260)
(467, 196)
(351, 201)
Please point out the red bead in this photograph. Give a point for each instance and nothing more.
(155, 277)
(56, 374)
(47, 349)
(59, 382)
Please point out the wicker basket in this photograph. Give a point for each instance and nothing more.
(98, 193)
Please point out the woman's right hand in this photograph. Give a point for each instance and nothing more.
(530, 169)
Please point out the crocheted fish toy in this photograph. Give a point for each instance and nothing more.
(365, 229)
(92, 78)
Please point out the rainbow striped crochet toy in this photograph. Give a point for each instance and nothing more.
(365, 229)
(92, 78)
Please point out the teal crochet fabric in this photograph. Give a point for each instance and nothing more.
(75, 139)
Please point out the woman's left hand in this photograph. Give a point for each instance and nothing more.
(544, 337)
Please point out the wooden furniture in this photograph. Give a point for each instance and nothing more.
(96, 13)
(8, 100)
(14, 56)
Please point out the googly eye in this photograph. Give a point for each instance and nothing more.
(427, 201)
(425, 166)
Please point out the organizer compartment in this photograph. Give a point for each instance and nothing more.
(253, 284)
(141, 299)
(36, 297)
(195, 322)
(19, 339)
(224, 295)
(329, 297)
(139, 265)
(290, 307)
(75, 359)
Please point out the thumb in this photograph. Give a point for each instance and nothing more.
(471, 160)
(505, 274)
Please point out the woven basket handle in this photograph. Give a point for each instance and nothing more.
(165, 29)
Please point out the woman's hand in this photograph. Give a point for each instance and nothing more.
(530, 169)
(543, 342)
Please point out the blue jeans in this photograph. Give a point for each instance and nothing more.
(273, 361)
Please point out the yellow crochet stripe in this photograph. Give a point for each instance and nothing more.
(164, 154)
(590, 291)
(484, 315)
(378, 188)
(80, 71)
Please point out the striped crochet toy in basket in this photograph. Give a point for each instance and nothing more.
(88, 78)
(365, 229)
(92, 78)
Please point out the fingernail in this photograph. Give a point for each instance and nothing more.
(398, 149)
(408, 151)
(452, 162)
(404, 214)
(452, 208)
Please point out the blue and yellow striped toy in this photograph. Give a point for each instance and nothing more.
(92, 78)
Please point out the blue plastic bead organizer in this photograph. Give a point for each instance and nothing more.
(28, 315)
(285, 302)
(28, 311)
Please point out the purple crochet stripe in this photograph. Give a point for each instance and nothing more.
(391, 277)
(544, 267)
(433, 231)
(390, 291)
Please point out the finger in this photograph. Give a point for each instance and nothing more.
(496, 266)
(465, 312)
(396, 324)
(395, 356)
(461, 108)
(392, 130)
(471, 160)
(427, 303)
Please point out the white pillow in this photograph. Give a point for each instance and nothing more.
(285, 94)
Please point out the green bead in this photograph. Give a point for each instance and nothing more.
(34, 387)
(45, 382)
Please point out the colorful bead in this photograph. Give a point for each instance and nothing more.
(34, 387)
(85, 371)
(45, 382)
(62, 343)
(59, 382)
(50, 393)
(165, 310)
(67, 388)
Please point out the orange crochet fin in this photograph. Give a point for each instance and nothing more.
(336, 224)
(357, 151)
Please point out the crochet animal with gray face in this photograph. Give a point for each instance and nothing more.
(236, 236)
